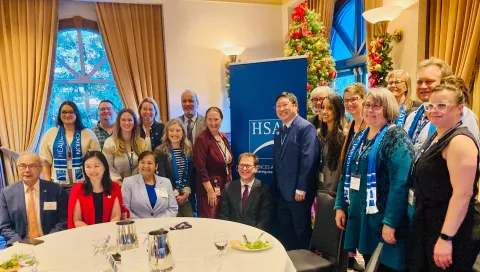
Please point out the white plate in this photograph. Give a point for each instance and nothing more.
(236, 244)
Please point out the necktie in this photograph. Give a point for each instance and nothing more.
(189, 130)
(245, 196)
(32, 215)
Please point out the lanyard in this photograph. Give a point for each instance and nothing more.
(224, 153)
(429, 142)
(179, 184)
(401, 118)
(130, 161)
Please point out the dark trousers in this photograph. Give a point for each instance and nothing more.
(295, 225)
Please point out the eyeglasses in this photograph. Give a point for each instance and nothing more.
(281, 107)
(375, 107)
(245, 166)
(427, 82)
(24, 167)
(352, 100)
(441, 107)
(316, 100)
(396, 82)
(68, 113)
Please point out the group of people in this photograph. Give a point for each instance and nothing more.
(129, 167)
(403, 172)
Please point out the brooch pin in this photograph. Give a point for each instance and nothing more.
(109, 196)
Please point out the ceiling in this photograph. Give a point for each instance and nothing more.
(264, 2)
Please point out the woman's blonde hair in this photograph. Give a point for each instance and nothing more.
(185, 145)
(384, 97)
(155, 108)
(137, 142)
(356, 89)
(408, 83)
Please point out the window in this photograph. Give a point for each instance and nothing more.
(348, 44)
(82, 73)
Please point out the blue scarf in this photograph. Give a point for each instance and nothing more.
(60, 149)
(401, 117)
(179, 185)
(371, 172)
(414, 124)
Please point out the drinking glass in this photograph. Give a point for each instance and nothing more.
(27, 258)
(213, 262)
(220, 239)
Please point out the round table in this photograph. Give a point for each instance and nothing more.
(72, 250)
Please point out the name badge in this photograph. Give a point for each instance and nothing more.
(411, 197)
(217, 190)
(161, 192)
(355, 183)
(50, 206)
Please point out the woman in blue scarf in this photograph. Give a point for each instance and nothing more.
(175, 163)
(373, 186)
(63, 147)
(400, 84)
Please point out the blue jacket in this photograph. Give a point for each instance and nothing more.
(135, 198)
(13, 212)
(295, 162)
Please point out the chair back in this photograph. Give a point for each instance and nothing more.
(326, 237)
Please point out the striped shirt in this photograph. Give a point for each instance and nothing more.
(179, 158)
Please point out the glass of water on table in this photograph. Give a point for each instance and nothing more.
(220, 239)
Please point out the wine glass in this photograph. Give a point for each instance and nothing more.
(220, 239)
(213, 262)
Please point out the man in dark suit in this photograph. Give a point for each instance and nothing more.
(247, 200)
(195, 124)
(31, 207)
(296, 157)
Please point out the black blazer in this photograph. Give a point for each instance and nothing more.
(259, 210)
(156, 133)
(165, 169)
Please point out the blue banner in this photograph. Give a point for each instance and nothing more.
(254, 87)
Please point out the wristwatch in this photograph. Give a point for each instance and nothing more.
(445, 237)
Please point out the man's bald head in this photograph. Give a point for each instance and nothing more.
(29, 168)
(189, 103)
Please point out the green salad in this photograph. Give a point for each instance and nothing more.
(13, 261)
(257, 245)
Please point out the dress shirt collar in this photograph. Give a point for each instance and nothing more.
(194, 118)
(245, 183)
(291, 121)
(36, 187)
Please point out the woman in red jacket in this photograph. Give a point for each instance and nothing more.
(98, 199)
(213, 161)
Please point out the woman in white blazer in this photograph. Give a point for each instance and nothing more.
(147, 195)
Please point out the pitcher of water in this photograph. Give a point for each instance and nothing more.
(126, 235)
(159, 254)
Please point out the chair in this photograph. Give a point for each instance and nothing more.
(326, 238)
(372, 265)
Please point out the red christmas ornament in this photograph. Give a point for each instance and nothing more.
(308, 87)
(297, 34)
(318, 66)
(324, 32)
(299, 47)
(327, 63)
(323, 83)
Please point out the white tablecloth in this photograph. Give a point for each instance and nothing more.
(72, 250)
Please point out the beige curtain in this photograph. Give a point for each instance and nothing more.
(325, 9)
(133, 38)
(454, 34)
(374, 29)
(27, 50)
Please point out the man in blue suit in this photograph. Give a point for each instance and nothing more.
(31, 207)
(296, 158)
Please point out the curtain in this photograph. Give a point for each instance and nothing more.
(454, 36)
(325, 9)
(133, 38)
(28, 30)
(374, 29)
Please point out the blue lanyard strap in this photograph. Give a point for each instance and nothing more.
(371, 181)
(402, 116)
(179, 184)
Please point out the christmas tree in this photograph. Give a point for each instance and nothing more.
(307, 36)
